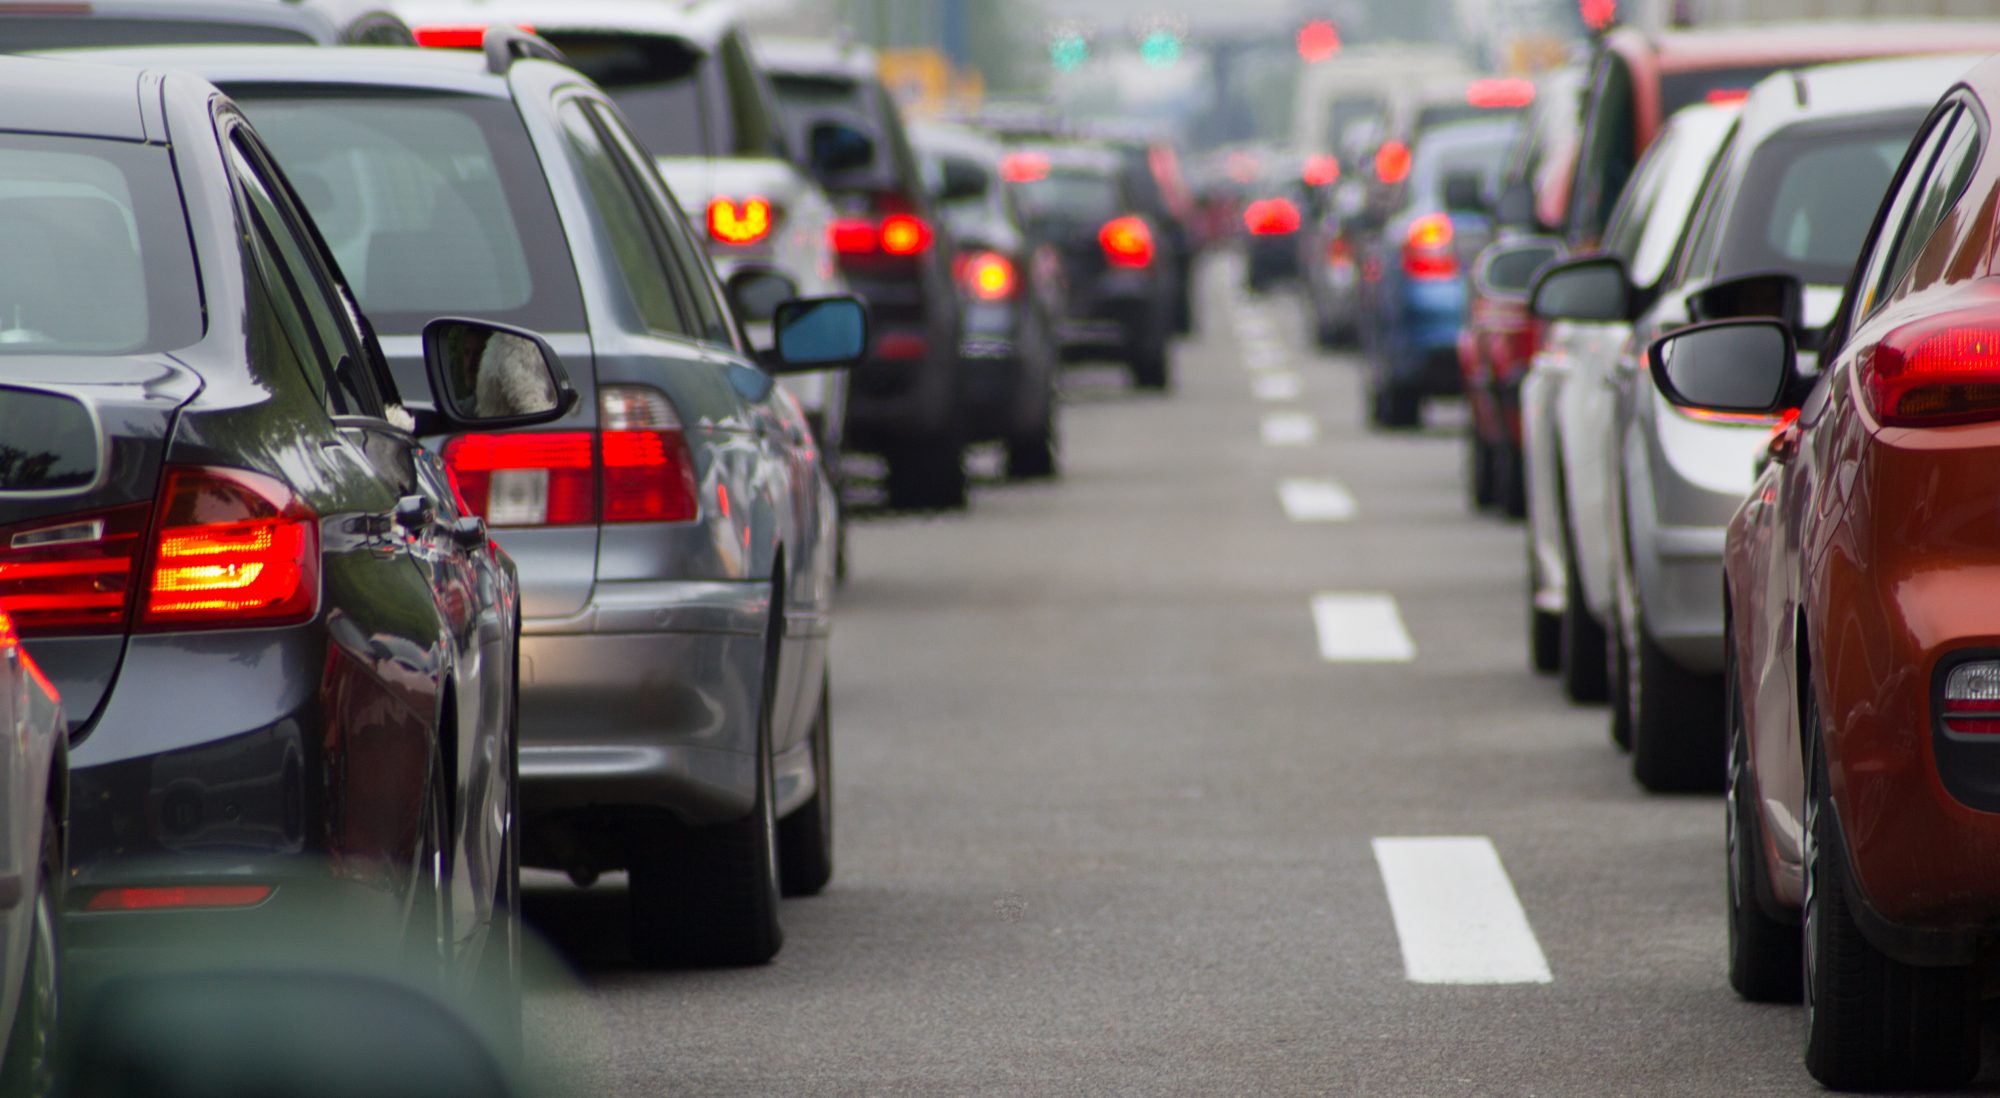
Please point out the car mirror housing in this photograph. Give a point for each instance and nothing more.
(1506, 271)
(1595, 288)
(1729, 367)
(488, 376)
(818, 333)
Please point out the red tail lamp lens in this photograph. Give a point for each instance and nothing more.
(234, 548)
(1127, 242)
(468, 36)
(648, 468)
(73, 575)
(178, 897)
(1427, 251)
(534, 478)
(989, 276)
(904, 235)
(1500, 93)
(1024, 167)
(1271, 217)
(1321, 171)
(854, 237)
(1726, 96)
(1935, 372)
(747, 223)
(1392, 162)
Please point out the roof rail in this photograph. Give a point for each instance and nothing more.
(506, 45)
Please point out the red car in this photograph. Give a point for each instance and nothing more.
(1862, 580)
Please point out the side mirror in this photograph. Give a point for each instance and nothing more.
(836, 148)
(1740, 367)
(51, 445)
(1464, 192)
(1516, 207)
(1777, 294)
(756, 292)
(964, 181)
(818, 333)
(1506, 271)
(1594, 288)
(488, 376)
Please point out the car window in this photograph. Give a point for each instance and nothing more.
(1875, 264)
(1069, 194)
(1606, 160)
(623, 225)
(656, 80)
(1697, 252)
(1806, 198)
(1683, 167)
(757, 133)
(1947, 179)
(334, 348)
(28, 32)
(690, 263)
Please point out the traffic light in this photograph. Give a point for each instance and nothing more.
(1161, 48)
(1597, 14)
(1318, 41)
(1068, 52)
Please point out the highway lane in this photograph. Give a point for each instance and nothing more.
(1117, 758)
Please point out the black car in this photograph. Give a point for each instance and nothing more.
(26, 27)
(1159, 190)
(1011, 286)
(287, 658)
(1120, 300)
(903, 401)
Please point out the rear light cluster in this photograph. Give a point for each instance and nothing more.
(1024, 167)
(987, 276)
(1427, 250)
(467, 36)
(1271, 217)
(1934, 372)
(747, 222)
(223, 548)
(169, 897)
(635, 468)
(896, 234)
(1972, 699)
(1320, 171)
(1392, 162)
(1500, 93)
(1127, 242)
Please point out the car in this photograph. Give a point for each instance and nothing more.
(1011, 285)
(1860, 652)
(1120, 302)
(1637, 80)
(1413, 300)
(1275, 210)
(1153, 175)
(685, 77)
(286, 656)
(34, 767)
(674, 532)
(1786, 206)
(26, 28)
(904, 401)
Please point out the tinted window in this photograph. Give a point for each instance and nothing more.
(624, 225)
(656, 82)
(94, 252)
(47, 443)
(1606, 159)
(818, 91)
(690, 262)
(431, 204)
(1876, 261)
(1481, 151)
(1070, 196)
(21, 33)
(1807, 198)
(1947, 180)
(1347, 113)
(1681, 89)
(1649, 225)
(755, 131)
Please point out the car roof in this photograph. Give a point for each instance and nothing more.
(1851, 88)
(287, 14)
(816, 57)
(1801, 42)
(461, 71)
(701, 23)
(81, 100)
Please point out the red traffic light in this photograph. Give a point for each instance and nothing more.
(1597, 14)
(1318, 40)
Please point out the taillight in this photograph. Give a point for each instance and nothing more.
(747, 222)
(232, 548)
(73, 575)
(988, 276)
(1427, 251)
(178, 896)
(1320, 171)
(903, 234)
(852, 236)
(469, 36)
(897, 234)
(1934, 372)
(1502, 92)
(1972, 699)
(636, 468)
(1271, 217)
(1392, 162)
(1024, 167)
(1339, 253)
(1127, 242)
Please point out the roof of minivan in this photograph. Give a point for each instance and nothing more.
(72, 99)
(1800, 42)
(701, 23)
(817, 57)
(461, 71)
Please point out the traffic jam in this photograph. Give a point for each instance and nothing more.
(1405, 548)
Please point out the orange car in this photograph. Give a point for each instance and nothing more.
(1862, 581)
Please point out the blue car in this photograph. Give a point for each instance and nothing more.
(1414, 290)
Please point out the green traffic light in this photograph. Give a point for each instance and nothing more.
(1161, 48)
(1069, 52)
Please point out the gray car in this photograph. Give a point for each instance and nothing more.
(674, 535)
(26, 27)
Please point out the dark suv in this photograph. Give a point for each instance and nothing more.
(903, 401)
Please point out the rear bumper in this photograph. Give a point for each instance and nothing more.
(1103, 314)
(1272, 256)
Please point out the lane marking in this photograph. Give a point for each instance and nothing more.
(1276, 386)
(1289, 429)
(1263, 356)
(1457, 916)
(1361, 628)
(1308, 500)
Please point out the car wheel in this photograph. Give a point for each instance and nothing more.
(1510, 481)
(1032, 456)
(29, 1070)
(1872, 1022)
(805, 838)
(1478, 470)
(1544, 628)
(1676, 720)
(708, 896)
(1148, 363)
(1583, 642)
(1619, 675)
(928, 475)
(1764, 953)
(1401, 408)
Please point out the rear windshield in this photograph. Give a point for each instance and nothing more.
(656, 82)
(94, 256)
(1681, 89)
(1808, 198)
(1480, 150)
(1070, 195)
(433, 204)
(21, 33)
(807, 92)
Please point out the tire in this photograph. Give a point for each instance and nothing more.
(1619, 682)
(1399, 408)
(1583, 658)
(1478, 470)
(1765, 962)
(1872, 1022)
(1677, 722)
(1033, 456)
(29, 1070)
(1184, 305)
(1544, 629)
(1510, 481)
(1148, 364)
(708, 896)
(805, 838)
(928, 475)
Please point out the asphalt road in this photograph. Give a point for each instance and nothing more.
(1107, 813)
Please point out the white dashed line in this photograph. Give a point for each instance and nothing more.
(1308, 500)
(1289, 429)
(1361, 628)
(1276, 387)
(1263, 356)
(1456, 913)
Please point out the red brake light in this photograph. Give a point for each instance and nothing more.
(1127, 242)
(648, 469)
(988, 276)
(748, 223)
(1937, 371)
(1427, 251)
(468, 36)
(1024, 167)
(73, 575)
(1500, 93)
(1392, 162)
(1726, 96)
(637, 468)
(233, 548)
(853, 236)
(1321, 171)
(178, 896)
(1271, 217)
(904, 235)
